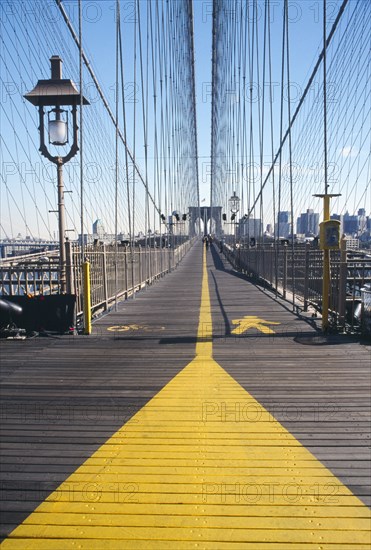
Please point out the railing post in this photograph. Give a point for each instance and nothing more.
(306, 277)
(342, 282)
(149, 264)
(126, 273)
(140, 267)
(132, 264)
(284, 275)
(70, 283)
(10, 282)
(26, 282)
(87, 298)
(105, 283)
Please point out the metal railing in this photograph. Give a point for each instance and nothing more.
(136, 268)
(115, 274)
(296, 273)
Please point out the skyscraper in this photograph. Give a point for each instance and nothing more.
(308, 223)
(283, 227)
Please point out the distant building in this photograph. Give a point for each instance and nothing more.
(22, 247)
(356, 226)
(250, 227)
(98, 230)
(308, 223)
(362, 220)
(352, 244)
(88, 239)
(283, 225)
(350, 224)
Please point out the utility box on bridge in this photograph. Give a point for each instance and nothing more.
(329, 235)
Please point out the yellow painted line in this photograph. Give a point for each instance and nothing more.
(202, 466)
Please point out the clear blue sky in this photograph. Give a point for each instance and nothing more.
(99, 41)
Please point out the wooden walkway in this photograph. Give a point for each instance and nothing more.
(192, 418)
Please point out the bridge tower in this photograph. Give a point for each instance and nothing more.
(206, 213)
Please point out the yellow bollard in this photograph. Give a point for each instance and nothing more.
(86, 297)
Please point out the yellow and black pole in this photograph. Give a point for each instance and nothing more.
(329, 240)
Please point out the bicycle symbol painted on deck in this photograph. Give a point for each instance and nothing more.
(136, 328)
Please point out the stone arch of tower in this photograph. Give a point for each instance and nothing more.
(206, 213)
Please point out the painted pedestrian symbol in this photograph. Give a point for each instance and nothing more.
(251, 321)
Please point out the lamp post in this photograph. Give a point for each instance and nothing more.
(57, 92)
(234, 207)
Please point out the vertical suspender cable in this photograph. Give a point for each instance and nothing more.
(280, 155)
(281, 122)
(325, 96)
(271, 135)
(251, 188)
(145, 131)
(261, 231)
(161, 157)
(134, 134)
(244, 20)
(259, 119)
(117, 148)
(132, 242)
(125, 132)
(81, 137)
(85, 272)
(156, 176)
(149, 224)
(290, 155)
(271, 122)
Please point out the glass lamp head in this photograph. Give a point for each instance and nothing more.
(57, 127)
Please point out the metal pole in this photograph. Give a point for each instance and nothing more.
(326, 269)
(87, 297)
(342, 283)
(105, 280)
(306, 276)
(62, 227)
(70, 286)
(284, 275)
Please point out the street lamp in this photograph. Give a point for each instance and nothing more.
(57, 92)
(234, 207)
